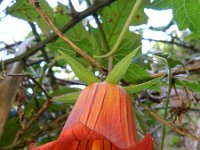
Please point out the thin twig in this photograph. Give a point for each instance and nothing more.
(64, 38)
(177, 71)
(159, 126)
(44, 54)
(34, 61)
(105, 42)
(166, 106)
(21, 114)
(40, 86)
(38, 114)
(35, 33)
(65, 81)
(102, 33)
(183, 45)
(8, 46)
(110, 63)
(163, 107)
(18, 74)
(180, 131)
(35, 81)
(33, 119)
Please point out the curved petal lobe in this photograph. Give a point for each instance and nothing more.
(102, 119)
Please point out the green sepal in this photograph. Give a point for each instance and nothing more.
(67, 98)
(140, 87)
(80, 71)
(121, 67)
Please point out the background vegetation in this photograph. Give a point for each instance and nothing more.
(38, 88)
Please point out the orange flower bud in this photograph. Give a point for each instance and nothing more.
(102, 119)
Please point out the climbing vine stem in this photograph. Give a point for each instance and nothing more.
(166, 105)
(123, 32)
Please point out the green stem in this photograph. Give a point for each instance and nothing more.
(102, 33)
(103, 36)
(105, 42)
(110, 63)
(44, 53)
(166, 106)
(123, 32)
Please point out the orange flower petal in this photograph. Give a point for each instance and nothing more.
(102, 119)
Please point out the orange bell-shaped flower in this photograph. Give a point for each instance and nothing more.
(102, 119)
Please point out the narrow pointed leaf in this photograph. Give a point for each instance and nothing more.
(80, 71)
(67, 98)
(120, 69)
(138, 88)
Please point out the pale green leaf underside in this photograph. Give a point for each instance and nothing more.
(80, 71)
(140, 87)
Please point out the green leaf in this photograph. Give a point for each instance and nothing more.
(120, 69)
(140, 120)
(62, 91)
(115, 16)
(24, 10)
(162, 4)
(11, 127)
(83, 43)
(125, 47)
(67, 98)
(57, 107)
(186, 12)
(62, 46)
(175, 139)
(140, 87)
(78, 32)
(192, 85)
(171, 62)
(61, 15)
(80, 71)
(136, 74)
(83, 39)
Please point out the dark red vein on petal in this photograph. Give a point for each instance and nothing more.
(101, 107)
(90, 108)
(127, 118)
(85, 101)
(78, 145)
